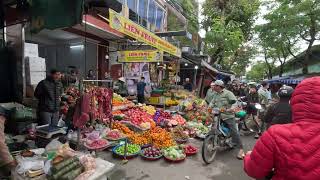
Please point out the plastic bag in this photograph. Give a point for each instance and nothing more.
(26, 165)
(61, 122)
(53, 145)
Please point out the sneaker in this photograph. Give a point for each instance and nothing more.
(257, 136)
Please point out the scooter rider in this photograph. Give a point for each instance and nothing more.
(280, 113)
(224, 99)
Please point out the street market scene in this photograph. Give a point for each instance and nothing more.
(160, 89)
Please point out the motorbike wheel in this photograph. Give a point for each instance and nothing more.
(209, 148)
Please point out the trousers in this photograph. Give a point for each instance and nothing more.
(236, 140)
(51, 118)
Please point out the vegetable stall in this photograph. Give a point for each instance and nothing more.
(102, 120)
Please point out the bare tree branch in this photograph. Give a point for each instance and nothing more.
(304, 38)
(289, 47)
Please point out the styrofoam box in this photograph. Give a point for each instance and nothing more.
(36, 64)
(31, 50)
(36, 77)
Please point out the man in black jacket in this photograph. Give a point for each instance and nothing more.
(49, 92)
(280, 113)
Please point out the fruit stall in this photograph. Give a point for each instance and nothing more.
(125, 129)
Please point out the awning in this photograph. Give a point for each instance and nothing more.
(208, 66)
(292, 80)
(277, 80)
(286, 80)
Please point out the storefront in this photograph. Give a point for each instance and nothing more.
(144, 58)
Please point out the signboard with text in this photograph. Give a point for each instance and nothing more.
(140, 56)
(130, 28)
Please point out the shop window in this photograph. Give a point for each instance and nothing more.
(159, 19)
(143, 7)
(152, 12)
(132, 4)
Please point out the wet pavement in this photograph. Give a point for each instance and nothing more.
(225, 167)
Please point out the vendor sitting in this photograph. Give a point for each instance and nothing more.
(6, 160)
(121, 87)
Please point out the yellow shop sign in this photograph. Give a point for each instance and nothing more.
(140, 56)
(128, 27)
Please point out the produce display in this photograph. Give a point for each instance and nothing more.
(178, 134)
(190, 150)
(57, 160)
(114, 135)
(199, 128)
(161, 138)
(158, 130)
(72, 91)
(180, 120)
(149, 109)
(117, 113)
(139, 118)
(161, 116)
(171, 102)
(68, 169)
(151, 152)
(174, 153)
(96, 144)
(122, 128)
(117, 100)
(141, 139)
(132, 149)
(200, 116)
(157, 136)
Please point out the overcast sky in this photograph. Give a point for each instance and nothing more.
(260, 20)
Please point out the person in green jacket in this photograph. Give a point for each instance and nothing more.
(210, 93)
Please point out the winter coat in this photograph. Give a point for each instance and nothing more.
(253, 98)
(292, 150)
(48, 92)
(279, 113)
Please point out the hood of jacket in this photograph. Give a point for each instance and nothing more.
(305, 101)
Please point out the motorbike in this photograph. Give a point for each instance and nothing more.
(243, 119)
(219, 138)
(241, 115)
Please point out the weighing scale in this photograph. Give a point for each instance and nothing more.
(47, 131)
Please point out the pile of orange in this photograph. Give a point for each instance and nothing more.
(157, 136)
(141, 139)
(124, 129)
(161, 138)
(118, 112)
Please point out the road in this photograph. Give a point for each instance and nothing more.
(225, 167)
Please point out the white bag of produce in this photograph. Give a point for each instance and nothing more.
(53, 145)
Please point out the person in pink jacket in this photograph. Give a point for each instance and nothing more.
(291, 151)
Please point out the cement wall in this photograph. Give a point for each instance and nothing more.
(61, 56)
